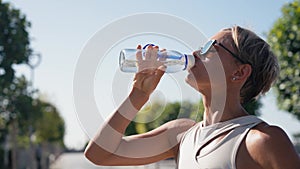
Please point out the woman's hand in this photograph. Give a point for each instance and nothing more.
(150, 70)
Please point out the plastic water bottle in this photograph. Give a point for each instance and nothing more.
(173, 60)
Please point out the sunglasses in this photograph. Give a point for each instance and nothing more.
(206, 48)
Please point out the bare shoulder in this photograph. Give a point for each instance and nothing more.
(173, 130)
(182, 123)
(177, 127)
(265, 134)
(270, 147)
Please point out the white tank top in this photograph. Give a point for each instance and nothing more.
(221, 155)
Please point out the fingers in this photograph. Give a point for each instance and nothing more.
(148, 52)
(150, 70)
(151, 53)
(138, 55)
(148, 59)
(147, 80)
(159, 73)
(154, 53)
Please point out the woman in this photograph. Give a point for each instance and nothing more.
(234, 67)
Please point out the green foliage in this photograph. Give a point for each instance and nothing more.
(131, 129)
(18, 106)
(197, 111)
(170, 112)
(155, 114)
(50, 127)
(14, 42)
(33, 115)
(284, 39)
(253, 107)
(22, 116)
(15, 49)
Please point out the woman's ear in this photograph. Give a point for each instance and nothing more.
(242, 73)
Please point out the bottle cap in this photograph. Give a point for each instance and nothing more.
(190, 61)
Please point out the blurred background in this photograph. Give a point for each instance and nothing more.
(40, 43)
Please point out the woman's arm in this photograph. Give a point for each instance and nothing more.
(109, 147)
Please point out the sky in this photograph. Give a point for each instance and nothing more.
(61, 29)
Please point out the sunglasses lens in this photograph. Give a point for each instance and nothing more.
(206, 47)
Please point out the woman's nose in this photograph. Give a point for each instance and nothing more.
(196, 54)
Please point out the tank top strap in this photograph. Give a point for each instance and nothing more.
(238, 141)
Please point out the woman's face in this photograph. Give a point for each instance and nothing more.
(214, 69)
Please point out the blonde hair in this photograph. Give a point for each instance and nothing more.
(265, 68)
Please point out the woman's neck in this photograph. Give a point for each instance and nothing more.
(221, 108)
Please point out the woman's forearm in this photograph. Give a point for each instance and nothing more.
(110, 134)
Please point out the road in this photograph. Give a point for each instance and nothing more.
(78, 161)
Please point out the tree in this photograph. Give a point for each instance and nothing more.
(284, 38)
(14, 42)
(155, 114)
(253, 107)
(14, 49)
(15, 108)
(21, 114)
(50, 127)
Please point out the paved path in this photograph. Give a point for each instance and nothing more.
(78, 161)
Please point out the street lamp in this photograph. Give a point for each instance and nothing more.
(34, 61)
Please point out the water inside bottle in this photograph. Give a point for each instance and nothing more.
(172, 65)
(173, 60)
(129, 66)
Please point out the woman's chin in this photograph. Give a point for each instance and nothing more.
(189, 79)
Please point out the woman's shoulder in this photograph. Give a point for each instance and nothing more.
(184, 123)
(266, 132)
(177, 128)
(267, 135)
(265, 139)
